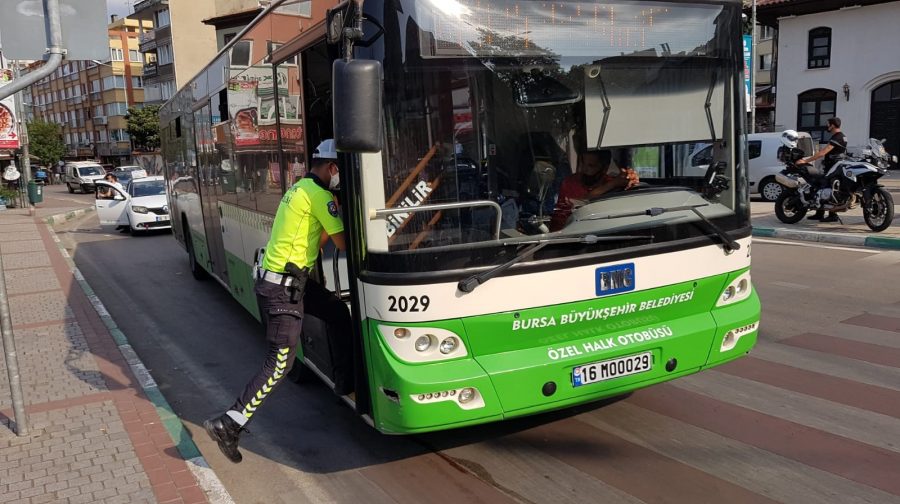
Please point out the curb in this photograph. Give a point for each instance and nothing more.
(60, 218)
(878, 242)
(208, 481)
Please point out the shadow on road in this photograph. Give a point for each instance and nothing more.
(201, 346)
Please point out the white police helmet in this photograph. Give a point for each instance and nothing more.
(789, 139)
(325, 150)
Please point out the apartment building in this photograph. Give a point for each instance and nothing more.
(90, 99)
(176, 43)
(231, 16)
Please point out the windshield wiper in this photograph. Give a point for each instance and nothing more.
(471, 283)
(729, 243)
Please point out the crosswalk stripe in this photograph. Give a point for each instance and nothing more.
(743, 464)
(836, 419)
(858, 462)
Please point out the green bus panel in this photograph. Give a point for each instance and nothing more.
(512, 366)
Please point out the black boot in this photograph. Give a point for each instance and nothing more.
(819, 215)
(832, 217)
(226, 432)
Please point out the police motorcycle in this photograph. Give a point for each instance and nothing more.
(850, 183)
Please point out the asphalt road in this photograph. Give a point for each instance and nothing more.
(812, 416)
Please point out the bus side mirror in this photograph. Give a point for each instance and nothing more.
(358, 119)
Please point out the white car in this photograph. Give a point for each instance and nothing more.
(83, 175)
(141, 207)
(136, 171)
(764, 165)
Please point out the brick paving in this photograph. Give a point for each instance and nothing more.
(94, 435)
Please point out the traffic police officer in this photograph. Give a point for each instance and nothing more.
(306, 218)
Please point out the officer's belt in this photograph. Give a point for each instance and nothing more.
(275, 278)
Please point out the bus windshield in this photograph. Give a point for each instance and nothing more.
(508, 107)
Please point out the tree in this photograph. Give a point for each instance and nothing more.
(143, 127)
(45, 141)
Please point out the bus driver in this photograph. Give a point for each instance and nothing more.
(307, 216)
(591, 181)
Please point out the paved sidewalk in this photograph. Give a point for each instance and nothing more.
(98, 433)
(852, 229)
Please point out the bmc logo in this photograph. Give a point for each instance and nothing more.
(615, 279)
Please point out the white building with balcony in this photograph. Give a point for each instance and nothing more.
(837, 58)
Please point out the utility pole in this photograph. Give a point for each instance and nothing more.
(23, 133)
(12, 361)
(753, 73)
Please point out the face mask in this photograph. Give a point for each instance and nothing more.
(335, 181)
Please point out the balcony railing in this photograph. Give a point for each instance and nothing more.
(100, 120)
(147, 36)
(150, 69)
(147, 41)
(146, 4)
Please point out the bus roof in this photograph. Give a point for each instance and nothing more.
(167, 113)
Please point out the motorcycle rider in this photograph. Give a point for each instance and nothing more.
(832, 153)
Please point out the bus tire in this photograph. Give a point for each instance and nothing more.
(197, 271)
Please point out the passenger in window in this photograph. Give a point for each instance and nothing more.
(592, 181)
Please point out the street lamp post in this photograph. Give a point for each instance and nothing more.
(753, 73)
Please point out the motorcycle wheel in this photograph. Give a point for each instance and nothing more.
(878, 211)
(788, 207)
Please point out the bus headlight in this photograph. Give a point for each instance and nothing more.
(466, 395)
(738, 290)
(423, 344)
(449, 345)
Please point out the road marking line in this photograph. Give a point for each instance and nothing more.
(815, 245)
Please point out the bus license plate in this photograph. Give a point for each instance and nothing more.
(613, 368)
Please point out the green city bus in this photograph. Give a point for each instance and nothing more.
(478, 292)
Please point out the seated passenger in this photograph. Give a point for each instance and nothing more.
(591, 181)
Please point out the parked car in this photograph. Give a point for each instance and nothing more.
(142, 206)
(126, 176)
(136, 171)
(82, 175)
(764, 165)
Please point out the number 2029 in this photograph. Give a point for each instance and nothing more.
(406, 304)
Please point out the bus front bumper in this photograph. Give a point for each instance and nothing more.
(421, 398)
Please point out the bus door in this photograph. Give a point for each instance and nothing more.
(310, 78)
(209, 186)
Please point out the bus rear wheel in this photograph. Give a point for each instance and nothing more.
(196, 270)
